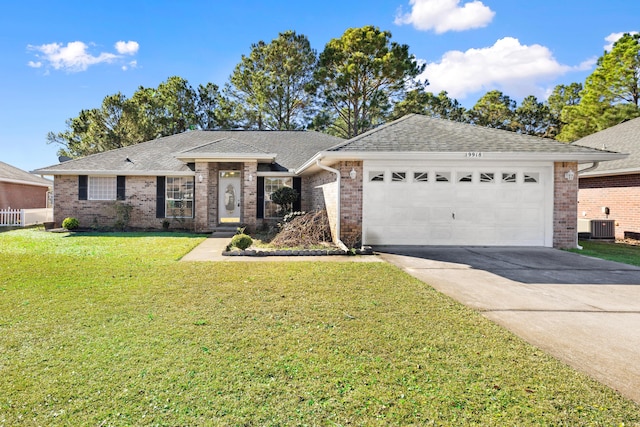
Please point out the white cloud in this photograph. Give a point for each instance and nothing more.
(517, 70)
(127, 48)
(614, 37)
(132, 64)
(445, 15)
(75, 56)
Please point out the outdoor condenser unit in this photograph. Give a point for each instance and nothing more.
(603, 229)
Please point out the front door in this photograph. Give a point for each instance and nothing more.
(229, 196)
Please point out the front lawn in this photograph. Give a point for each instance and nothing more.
(620, 252)
(111, 330)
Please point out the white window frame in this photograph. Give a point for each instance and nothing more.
(179, 192)
(102, 188)
(271, 185)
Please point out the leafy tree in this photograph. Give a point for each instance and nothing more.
(269, 85)
(113, 125)
(535, 118)
(359, 75)
(494, 110)
(438, 106)
(173, 107)
(611, 93)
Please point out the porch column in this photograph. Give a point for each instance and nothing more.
(201, 197)
(249, 194)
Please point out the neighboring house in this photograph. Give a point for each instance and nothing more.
(22, 190)
(616, 184)
(415, 181)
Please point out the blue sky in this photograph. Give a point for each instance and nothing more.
(64, 56)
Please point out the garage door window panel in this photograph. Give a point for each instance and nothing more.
(376, 176)
(465, 177)
(487, 177)
(509, 178)
(443, 176)
(420, 177)
(531, 177)
(398, 177)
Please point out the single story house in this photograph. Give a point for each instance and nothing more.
(614, 186)
(414, 181)
(22, 190)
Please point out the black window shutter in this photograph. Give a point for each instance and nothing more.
(260, 207)
(160, 197)
(297, 185)
(120, 187)
(83, 185)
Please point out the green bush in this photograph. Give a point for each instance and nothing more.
(241, 241)
(70, 223)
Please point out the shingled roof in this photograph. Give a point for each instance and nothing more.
(13, 174)
(418, 133)
(163, 155)
(624, 138)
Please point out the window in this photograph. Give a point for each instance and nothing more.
(179, 199)
(376, 176)
(487, 177)
(443, 176)
(509, 178)
(465, 177)
(531, 177)
(102, 188)
(420, 177)
(270, 186)
(398, 176)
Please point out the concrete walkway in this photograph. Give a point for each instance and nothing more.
(581, 310)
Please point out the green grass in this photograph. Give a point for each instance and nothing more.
(620, 252)
(109, 329)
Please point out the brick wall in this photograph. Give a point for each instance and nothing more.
(565, 196)
(621, 194)
(320, 193)
(250, 195)
(22, 196)
(140, 193)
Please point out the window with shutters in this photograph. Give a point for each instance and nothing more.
(102, 188)
(179, 197)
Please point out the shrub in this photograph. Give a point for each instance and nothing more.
(70, 223)
(241, 241)
(285, 197)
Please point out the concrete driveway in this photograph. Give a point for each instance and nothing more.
(581, 310)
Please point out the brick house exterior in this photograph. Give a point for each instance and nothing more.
(203, 180)
(22, 190)
(614, 184)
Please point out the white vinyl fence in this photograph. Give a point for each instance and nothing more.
(25, 217)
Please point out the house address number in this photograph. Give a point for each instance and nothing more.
(474, 154)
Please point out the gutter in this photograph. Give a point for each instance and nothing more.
(338, 242)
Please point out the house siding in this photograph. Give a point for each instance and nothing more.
(620, 193)
(22, 196)
(565, 202)
(141, 195)
(321, 194)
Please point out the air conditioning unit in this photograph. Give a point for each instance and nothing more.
(603, 229)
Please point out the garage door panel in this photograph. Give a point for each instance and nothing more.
(457, 213)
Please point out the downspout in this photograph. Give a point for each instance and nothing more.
(590, 168)
(338, 242)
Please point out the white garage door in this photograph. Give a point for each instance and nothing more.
(446, 204)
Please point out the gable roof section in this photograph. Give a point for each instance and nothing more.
(420, 137)
(168, 155)
(15, 175)
(624, 138)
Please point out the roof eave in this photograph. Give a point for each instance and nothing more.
(115, 172)
(612, 172)
(24, 182)
(336, 156)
